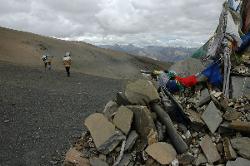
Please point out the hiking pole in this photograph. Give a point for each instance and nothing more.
(175, 138)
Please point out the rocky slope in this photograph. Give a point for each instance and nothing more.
(27, 48)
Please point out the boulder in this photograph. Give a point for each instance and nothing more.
(123, 119)
(132, 137)
(201, 159)
(212, 117)
(239, 162)
(110, 108)
(224, 104)
(232, 114)
(187, 67)
(102, 157)
(141, 92)
(97, 162)
(230, 154)
(204, 98)
(104, 134)
(74, 157)
(209, 149)
(144, 124)
(220, 148)
(126, 160)
(242, 146)
(194, 117)
(185, 159)
(240, 126)
(240, 86)
(247, 107)
(162, 152)
(248, 117)
(160, 130)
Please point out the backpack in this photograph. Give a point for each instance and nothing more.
(44, 57)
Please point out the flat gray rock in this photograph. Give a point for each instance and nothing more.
(209, 149)
(185, 159)
(248, 117)
(239, 162)
(97, 162)
(105, 136)
(229, 152)
(75, 157)
(126, 160)
(240, 86)
(144, 124)
(123, 119)
(132, 137)
(141, 92)
(204, 95)
(194, 117)
(232, 114)
(162, 152)
(242, 146)
(212, 117)
(201, 159)
(240, 126)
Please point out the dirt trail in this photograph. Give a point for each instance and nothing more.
(41, 113)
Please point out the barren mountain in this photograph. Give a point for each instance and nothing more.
(27, 48)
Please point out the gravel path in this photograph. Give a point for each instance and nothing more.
(41, 113)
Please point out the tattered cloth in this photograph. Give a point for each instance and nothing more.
(234, 5)
(213, 74)
(187, 81)
(177, 84)
(245, 42)
(171, 85)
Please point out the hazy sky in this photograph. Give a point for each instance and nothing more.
(140, 22)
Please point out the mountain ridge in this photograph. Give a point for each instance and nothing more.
(26, 48)
(160, 53)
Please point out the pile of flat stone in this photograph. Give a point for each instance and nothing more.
(128, 132)
(219, 128)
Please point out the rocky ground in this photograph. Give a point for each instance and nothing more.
(42, 112)
(143, 126)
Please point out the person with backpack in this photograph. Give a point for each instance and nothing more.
(45, 60)
(67, 63)
(49, 61)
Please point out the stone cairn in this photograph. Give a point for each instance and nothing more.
(128, 132)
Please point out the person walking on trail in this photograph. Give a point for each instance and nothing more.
(67, 63)
(45, 61)
(49, 60)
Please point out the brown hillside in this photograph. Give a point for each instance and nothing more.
(26, 49)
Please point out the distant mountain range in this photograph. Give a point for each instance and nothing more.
(167, 54)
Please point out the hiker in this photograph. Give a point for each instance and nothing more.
(49, 60)
(175, 83)
(45, 60)
(67, 62)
